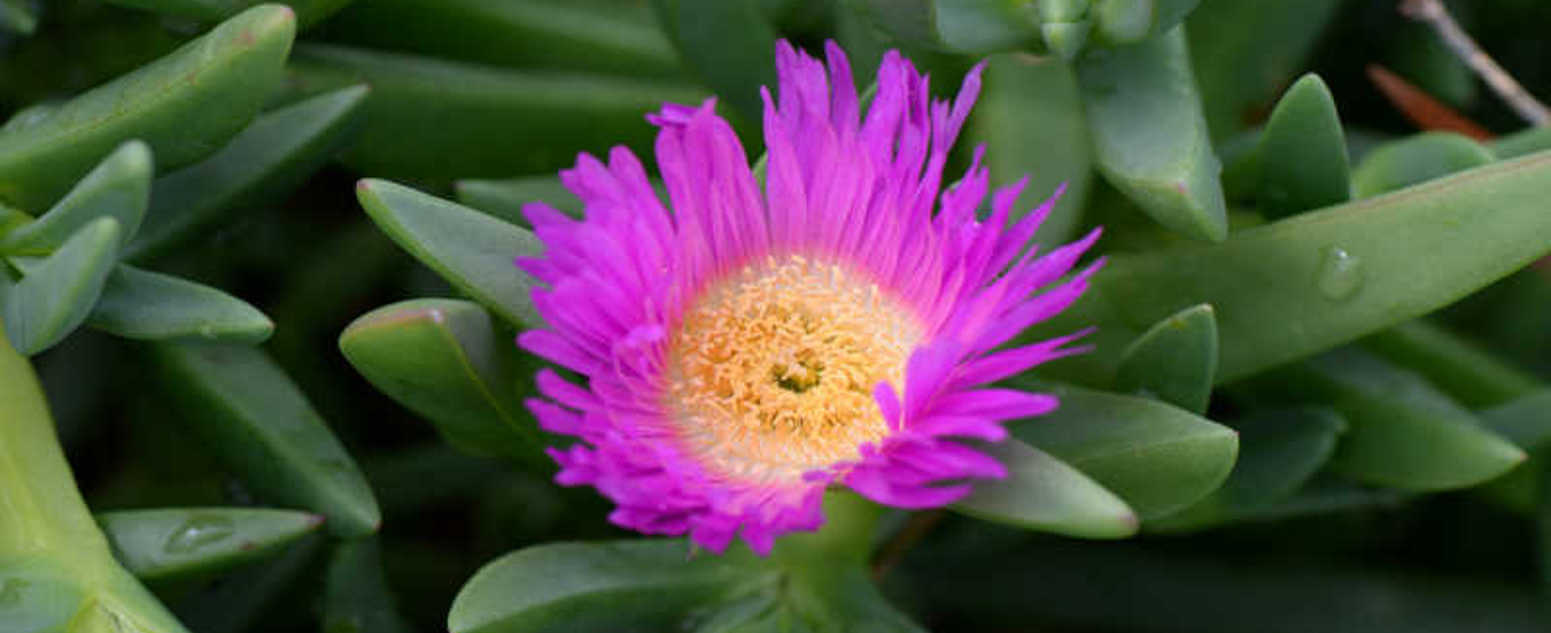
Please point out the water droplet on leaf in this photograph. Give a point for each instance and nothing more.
(199, 531)
(1340, 273)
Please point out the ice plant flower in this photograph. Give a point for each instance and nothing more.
(745, 350)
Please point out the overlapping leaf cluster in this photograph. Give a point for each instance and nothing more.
(1272, 344)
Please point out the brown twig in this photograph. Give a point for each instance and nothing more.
(1435, 14)
(914, 530)
(1426, 112)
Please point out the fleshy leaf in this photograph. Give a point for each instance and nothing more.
(1403, 433)
(446, 360)
(429, 119)
(1293, 288)
(1043, 493)
(1149, 138)
(594, 587)
(1130, 21)
(119, 187)
(1303, 161)
(1417, 159)
(472, 251)
(1245, 50)
(1279, 452)
(974, 27)
(184, 106)
(252, 417)
(1469, 374)
(265, 162)
(1174, 361)
(17, 17)
(57, 293)
(140, 304)
(234, 604)
(308, 12)
(1031, 121)
(356, 595)
(175, 543)
(1156, 457)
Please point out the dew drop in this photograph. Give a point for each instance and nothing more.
(199, 531)
(1340, 273)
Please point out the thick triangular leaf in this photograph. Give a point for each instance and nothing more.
(140, 304)
(57, 293)
(260, 425)
(1416, 160)
(263, 164)
(184, 106)
(175, 543)
(1174, 361)
(445, 360)
(1149, 138)
(1303, 162)
(119, 187)
(1043, 493)
(1156, 457)
(472, 251)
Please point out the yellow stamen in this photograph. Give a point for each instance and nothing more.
(773, 370)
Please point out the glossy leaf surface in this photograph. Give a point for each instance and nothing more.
(140, 304)
(1155, 457)
(472, 251)
(1174, 361)
(261, 165)
(180, 542)
(184, 106)
(1292, 288)
(119, 187)
(1303, 162)
(447, 361)
(1043, 493)
(1149, 138)
(250, 414)
(57, 293)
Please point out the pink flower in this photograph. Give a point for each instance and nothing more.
(749, 348)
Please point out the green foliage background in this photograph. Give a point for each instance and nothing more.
(258, 306)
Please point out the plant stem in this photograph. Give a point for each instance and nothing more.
(1435, 14)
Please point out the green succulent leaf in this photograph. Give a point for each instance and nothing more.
(1174, 361)
(57, 293)
(258, 423)
(1528, 141)
(505, 198)
(184, 106)
(1131, 21)
(174, 543)
(140, 304)
(1292, 288)
(1157, 458)
(618, 38)
(1525, 421)
(1044, 493)
(356, 596)
(974, 27)
(1415, 160)
(1303, 152)
(17, 17)
(472, 251)
(594, 587)
(1279, 452)
(1149, 138)
(429, 119)
(119, 187)
(447, 361)
(1469, 374)
(1031, 121)
(1403, 432)
(241, 599)
(308, 12)
(261, 165)
(56, 570)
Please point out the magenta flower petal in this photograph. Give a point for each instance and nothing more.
(745, 349)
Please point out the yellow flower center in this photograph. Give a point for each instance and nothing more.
(772, 372)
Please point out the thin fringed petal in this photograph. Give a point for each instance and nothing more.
(855, 222)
